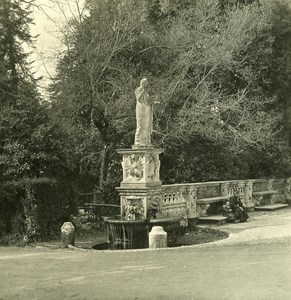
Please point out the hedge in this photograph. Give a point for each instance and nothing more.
(34, 209)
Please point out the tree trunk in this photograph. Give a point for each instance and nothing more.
(103, 166)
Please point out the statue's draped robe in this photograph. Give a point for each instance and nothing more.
(144, 118)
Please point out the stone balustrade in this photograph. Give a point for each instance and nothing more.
(143, 196)
(195, 199)
(178, 200)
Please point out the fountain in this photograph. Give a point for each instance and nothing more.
(140, 191)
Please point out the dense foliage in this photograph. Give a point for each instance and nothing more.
(29, 147)
(34, 209)
(210, 65)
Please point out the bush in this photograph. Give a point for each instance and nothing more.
(34, 209)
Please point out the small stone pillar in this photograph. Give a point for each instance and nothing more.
(68, 234)
(157, 238)
(224, 189)
(248, 195)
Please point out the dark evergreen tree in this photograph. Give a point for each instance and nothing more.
(25, 144)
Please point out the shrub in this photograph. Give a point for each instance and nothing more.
(34, 209)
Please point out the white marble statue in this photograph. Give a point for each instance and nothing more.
(144, 115)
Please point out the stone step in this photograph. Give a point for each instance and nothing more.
(219, 219)
(271, 206)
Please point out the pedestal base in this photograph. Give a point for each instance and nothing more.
(140, 203)
(140, 191)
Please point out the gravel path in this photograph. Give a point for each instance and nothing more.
(262, 227)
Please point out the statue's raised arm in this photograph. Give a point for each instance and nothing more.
(144, 116)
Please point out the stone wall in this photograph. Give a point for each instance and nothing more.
(188, 199)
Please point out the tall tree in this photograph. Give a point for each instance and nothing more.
(218, 91)
(281, 66)
(94, 80)
(209, 65)
(14, 21)
(25, 143)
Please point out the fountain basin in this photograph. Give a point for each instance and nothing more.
(133, 234)
(127, 234)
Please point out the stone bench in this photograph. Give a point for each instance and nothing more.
(258, 196)
(204, 203)
(218, 219)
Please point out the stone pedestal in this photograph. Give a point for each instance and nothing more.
(157, 238)
(140, 190)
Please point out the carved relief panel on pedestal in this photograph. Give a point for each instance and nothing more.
(141, 167)
(154, 206)
(133, 208)
(133, 167)
(152, 167)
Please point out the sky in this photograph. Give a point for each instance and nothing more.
(49, 18)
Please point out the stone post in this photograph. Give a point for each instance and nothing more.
(248, 195)
(157, 238)
(68, 234)
(224, 189)
(191, 201)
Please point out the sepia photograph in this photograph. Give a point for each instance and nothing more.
(145, 149)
